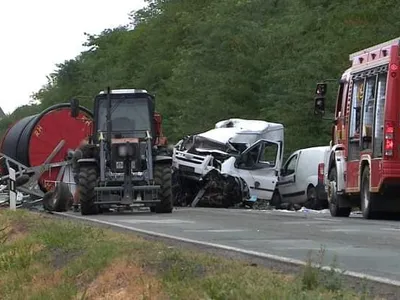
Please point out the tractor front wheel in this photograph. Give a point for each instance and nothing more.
(87, 182)
(163, 178)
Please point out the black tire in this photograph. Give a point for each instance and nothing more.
(311, 195)
(177, 190)
(88, 177)
(335, 204)
(312, 198)
(276, 200)
(47, 201)
(59, 199)
(62, 197)
(366, 196)
(163, 177)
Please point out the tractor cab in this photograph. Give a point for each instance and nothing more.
(130, 114)
(124, 119)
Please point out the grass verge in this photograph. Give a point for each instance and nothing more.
(46, 258)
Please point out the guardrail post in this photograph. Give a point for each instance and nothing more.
(12, 189)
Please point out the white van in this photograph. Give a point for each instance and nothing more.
(301, 179)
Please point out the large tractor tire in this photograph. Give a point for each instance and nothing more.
(88, 177)
(163, 177)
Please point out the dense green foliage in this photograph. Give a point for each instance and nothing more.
(210, 60)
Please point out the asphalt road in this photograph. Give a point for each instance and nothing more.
(364, 246)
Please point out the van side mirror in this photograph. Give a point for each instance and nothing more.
(74, 107)
(319, 105)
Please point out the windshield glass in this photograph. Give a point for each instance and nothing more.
(204, 143)
(126, 115)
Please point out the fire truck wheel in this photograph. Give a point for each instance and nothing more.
(367, 198)
(335, 207)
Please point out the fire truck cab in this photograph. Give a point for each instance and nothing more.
(363, 168)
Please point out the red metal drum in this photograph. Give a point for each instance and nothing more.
(32, 139)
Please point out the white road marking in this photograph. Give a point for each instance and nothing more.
(326, 219)
(390, 229)
(256, 210)
(342, 230)
(214, 230)
(244, 251)
(154, 221)
(304, 222)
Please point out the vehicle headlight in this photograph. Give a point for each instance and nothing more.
(123, 150)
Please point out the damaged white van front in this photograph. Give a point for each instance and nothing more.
(236, 162)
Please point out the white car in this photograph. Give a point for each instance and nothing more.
(301, 179)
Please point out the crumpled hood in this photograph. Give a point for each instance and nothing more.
(221, 135)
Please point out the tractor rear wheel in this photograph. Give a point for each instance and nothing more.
(163, 178)
(87, 182)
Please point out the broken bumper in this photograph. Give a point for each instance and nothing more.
(215, 188)
(191, 166)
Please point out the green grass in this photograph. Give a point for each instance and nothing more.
(46, 258)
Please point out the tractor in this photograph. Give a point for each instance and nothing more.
(124, 164)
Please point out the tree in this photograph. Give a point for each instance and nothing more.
(209, 60)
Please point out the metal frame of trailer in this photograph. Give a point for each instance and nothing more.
(31, 187)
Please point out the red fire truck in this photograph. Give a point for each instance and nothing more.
(363, 167)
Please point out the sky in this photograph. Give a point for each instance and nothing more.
(37, 35)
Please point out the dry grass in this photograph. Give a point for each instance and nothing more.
(43, 278)
(11, 232)
(124, 280)
(45, 258)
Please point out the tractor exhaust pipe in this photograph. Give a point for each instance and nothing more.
(109, 124)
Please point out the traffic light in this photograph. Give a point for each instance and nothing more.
(319, 106)
(321, 89)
